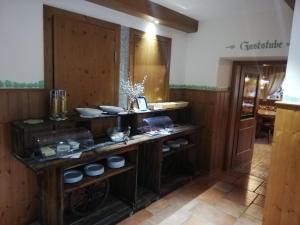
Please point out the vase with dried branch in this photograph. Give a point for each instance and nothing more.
(132, 91)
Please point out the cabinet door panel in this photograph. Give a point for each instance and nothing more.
(151, 56)
(84, 62)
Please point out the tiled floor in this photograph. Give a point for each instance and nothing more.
(235, 198)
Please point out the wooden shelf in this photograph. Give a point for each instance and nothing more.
(176, 150)
(87, 180)
(145, 197)
(173, 182)
(113, 211)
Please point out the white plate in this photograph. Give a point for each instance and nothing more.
(94, 169)
(165, 148)
(182, 141)
(72, 176)
(111, 109)
(173, 144)
(88, 117)
(33, 121)
(115, 162)
(89, 112)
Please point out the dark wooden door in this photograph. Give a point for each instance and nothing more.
(245, 118)
(151, 56)
(82, 57)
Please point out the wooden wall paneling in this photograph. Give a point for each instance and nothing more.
(85, 50)
(19, 202)
(219, 131)
(210, 111)
(38, 104)
(148, 10)
(151, 56)
(3, 106)
(282, 206)
(175, 94)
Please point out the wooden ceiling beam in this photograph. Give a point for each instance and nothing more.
(149, 10)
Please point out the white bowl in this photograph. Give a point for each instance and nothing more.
(89, 112)
(111, 109)
(72, 176)
(94, 169)
(115, 162)
(117, 136)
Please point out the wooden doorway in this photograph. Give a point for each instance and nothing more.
(243, 109)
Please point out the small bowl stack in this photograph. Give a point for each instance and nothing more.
(177, 143)
(115, 162)
(94, 169)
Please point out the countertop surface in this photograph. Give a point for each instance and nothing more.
(105, 151)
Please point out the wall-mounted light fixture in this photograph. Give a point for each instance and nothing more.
(150, 30)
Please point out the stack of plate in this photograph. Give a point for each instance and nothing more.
(115, 162)
(111, 109)
(94, 169)
(72, 176)
(182, 141)
(173, 144)
(89, 112)
(165, 148)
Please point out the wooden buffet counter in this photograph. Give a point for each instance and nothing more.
(148, 174)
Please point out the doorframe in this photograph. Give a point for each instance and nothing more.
(237, 67)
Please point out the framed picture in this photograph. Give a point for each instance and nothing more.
(142, 103)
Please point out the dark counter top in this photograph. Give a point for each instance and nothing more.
(105, 151)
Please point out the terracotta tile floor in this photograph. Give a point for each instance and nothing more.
(234, 198)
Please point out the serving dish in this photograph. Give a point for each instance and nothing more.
(94, 169)
(89, 112)
(118, 134)
(72, 176)
(111, 109)
(115, 162)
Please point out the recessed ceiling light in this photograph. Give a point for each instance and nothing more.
(156, 21)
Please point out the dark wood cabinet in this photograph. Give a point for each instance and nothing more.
(147, 175)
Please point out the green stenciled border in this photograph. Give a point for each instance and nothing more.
(292, 99)
(196, 87)
(7, 84)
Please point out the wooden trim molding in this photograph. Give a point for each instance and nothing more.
(289, 105)
(197, 87)
(148, 10)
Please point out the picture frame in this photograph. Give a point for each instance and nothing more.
(142, 103)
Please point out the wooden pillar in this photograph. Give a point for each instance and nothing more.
(282, 205)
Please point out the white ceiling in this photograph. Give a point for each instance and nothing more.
(209, 9)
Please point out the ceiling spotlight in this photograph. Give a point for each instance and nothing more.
(156, 21)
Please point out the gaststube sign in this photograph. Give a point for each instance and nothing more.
(246, 45)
